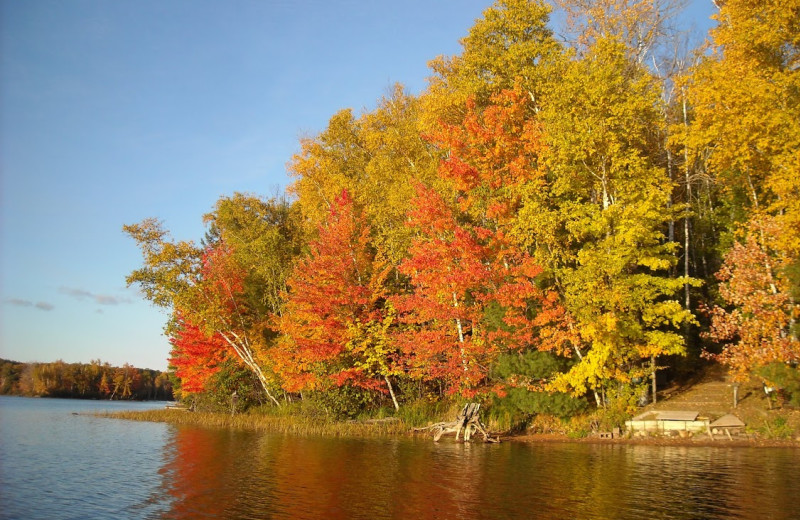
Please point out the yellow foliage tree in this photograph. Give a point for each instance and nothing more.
(599, 222)
(745, 96)
(511, 44)
(374, 157)
(746, 103)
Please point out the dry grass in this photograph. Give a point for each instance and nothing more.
(292, 425)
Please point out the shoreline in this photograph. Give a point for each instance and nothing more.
(298, 426)
(699, 441)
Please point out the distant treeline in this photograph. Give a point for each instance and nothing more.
(95, 380)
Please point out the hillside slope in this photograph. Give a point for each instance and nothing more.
(712, 395)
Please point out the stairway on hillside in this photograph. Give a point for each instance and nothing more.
(709, 398)
(711, 395)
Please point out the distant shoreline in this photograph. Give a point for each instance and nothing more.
(78, 398)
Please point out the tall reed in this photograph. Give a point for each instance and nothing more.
(286, 424)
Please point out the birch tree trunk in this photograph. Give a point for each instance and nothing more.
(245, 353)
(460, 335)
(391, 392)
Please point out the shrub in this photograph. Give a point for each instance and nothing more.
(777, 428)
(345, 402)
(231, 377)
(516, 409)
(784, 376)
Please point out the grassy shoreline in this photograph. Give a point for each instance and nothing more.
(305, 426)
(284, 424)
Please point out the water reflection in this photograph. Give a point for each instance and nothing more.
(223, 474)
(55, 464)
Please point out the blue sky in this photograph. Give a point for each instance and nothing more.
(111, 112)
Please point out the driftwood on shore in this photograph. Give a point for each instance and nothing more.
(384, 420)
(467, 420)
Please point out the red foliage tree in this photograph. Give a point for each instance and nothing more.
(220, 304)
(460, 275)
(196, 356)
(473, 288)
(199, 350)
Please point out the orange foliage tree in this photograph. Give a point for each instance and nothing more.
(493, 156)
(758, 328)
(334, 323)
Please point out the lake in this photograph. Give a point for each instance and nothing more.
(55, 464)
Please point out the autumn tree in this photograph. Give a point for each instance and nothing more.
(745, 99)
(264, 236)
(334, 321)
(123, 382)
(740, 130)
(470, 297)
(745, 96)
(195, 356)
(445, 268)
(598, 220)
(81, 380)
(528, 199)
(759, 325)
(104, 386)
(374, 157)
(230, 287)
(492, 156)
(219, 300)
(510, 44)
(170, 267)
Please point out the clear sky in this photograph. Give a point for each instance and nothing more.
(114, 111)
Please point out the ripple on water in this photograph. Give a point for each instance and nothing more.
(59, 465)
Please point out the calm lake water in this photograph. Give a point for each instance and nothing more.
(54, 465)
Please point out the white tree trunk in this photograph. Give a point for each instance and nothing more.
(391, 392)
(244, 352)
(460, 335)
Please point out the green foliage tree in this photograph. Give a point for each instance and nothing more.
(230, 287)
(782, 376)
(525, 376)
